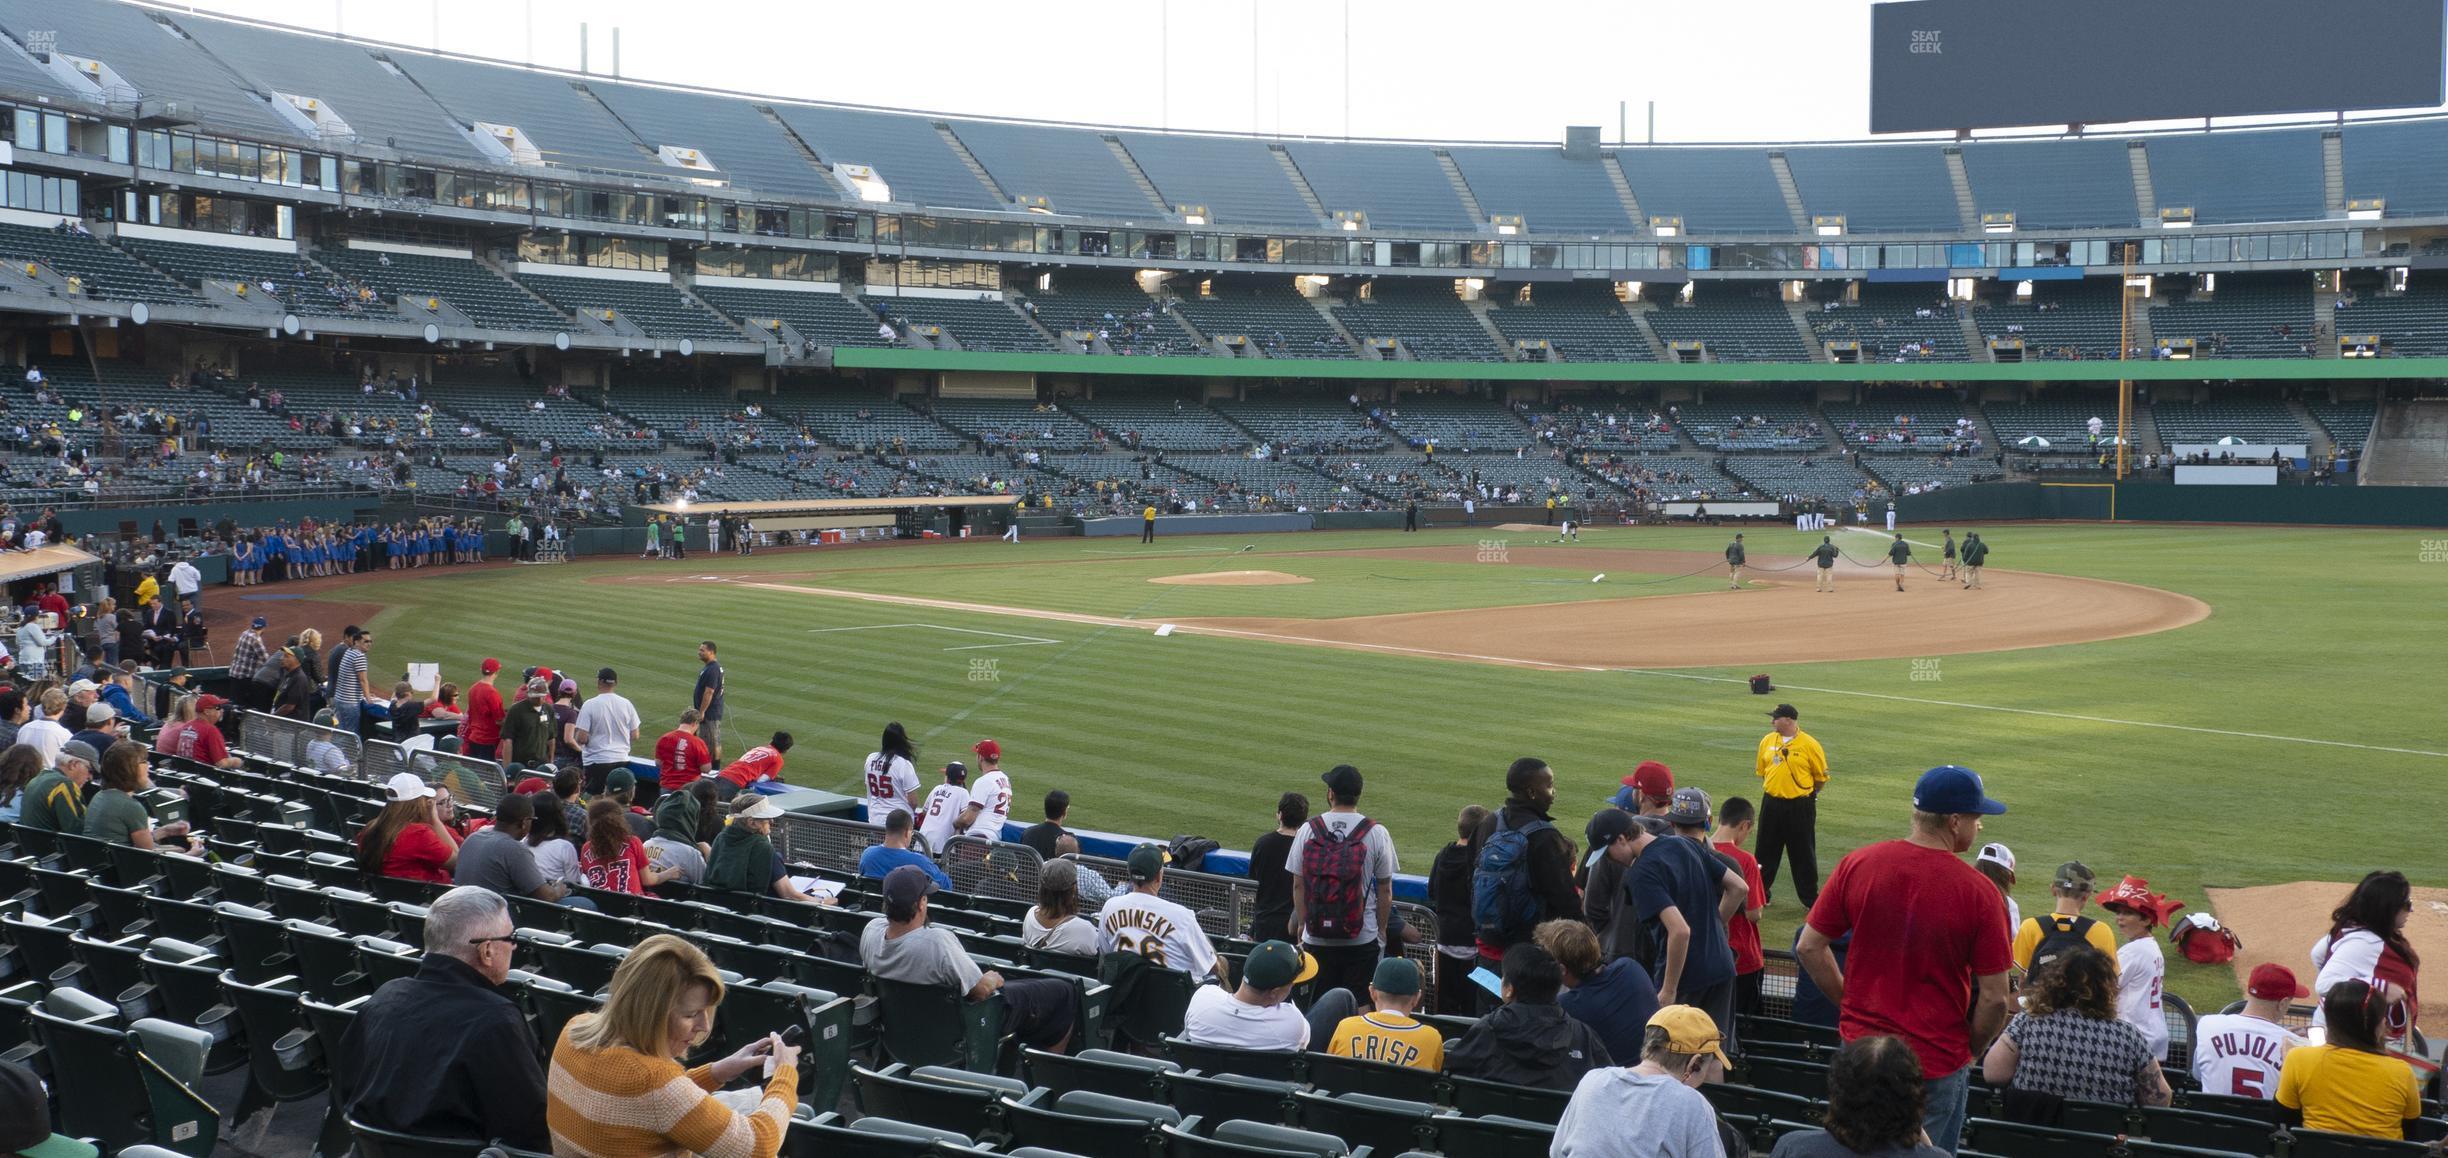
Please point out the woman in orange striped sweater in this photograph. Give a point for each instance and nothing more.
(616, 1092)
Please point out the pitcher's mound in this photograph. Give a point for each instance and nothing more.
(2280, 922)
(1232, 579)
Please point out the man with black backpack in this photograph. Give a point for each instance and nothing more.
(1525, 870)
(2043, 939)
(1343, 868)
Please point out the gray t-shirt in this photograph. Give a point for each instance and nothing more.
(1821, 1144)
(502, 863)
(925, 955)
(673, 854)
(1675, 1120)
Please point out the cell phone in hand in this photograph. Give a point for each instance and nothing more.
(794, 1035)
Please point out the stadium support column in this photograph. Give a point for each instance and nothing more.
(2125, 306)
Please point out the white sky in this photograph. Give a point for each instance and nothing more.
(1733, 70)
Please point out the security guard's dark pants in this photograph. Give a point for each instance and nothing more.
(1789, 830)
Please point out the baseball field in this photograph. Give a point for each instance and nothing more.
(2203, 707)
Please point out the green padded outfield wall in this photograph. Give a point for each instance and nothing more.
(2169, 503)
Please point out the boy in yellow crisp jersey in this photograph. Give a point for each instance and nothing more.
(1389, 1034)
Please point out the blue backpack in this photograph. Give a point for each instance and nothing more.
(1502, 905)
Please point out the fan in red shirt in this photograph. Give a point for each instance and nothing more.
(680, 757)
(198, 739)
(1735, 819)
(613, 858)
(480, 728)
(1928, 930)
(52, 601)
(406, 840)
(763, 762)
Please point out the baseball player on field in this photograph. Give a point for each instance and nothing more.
(1899, 553)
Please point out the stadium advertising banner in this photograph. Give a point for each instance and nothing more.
(1973, 64)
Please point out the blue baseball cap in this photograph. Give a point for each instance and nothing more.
(1626, 798)
(1952, 789)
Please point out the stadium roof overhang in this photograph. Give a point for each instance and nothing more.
(42, 561)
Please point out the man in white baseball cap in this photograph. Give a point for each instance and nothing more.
(745, 859)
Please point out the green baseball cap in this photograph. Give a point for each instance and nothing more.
(1398, 976)
(1276, 964)
(25, 1119)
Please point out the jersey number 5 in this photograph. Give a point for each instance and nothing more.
(2248, 1083)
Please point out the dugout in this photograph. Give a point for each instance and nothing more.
(947, 515)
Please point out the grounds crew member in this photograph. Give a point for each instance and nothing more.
(1900, 554)
(1946, 569)
(1147, 524)
(1734, 563)
(1792, 768)
(1975, 555)
(1826, 553)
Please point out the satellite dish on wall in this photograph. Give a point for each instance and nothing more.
(433, 333)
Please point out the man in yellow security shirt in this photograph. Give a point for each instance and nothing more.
(1389, 1034)
(1147, 525)
(1792, 769)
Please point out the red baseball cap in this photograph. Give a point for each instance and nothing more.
(490, 665)
(209, 702)
(2275, 982)
(988, 750)
(1652, 779)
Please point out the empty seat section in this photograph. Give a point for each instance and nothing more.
(1397, 186)
(2399, 163)
(1011, 422)
(1072, 169)
(568, 128)
(1580, 322)
(2272, 175)
(823, 317)
(977, 324)
(1831, 479)
(2064, 423)
(2062, 321)
(1455, 423)
(657, 308)
(1734, 322)
(1550, 192)
(905, 152)
(1710, 190)
(726, 131)
(1915, 422)
(298, 283)
(2260, 421)
(1155, 423)
(531, 418)
(100, 270)
(1299, 426)
(2248, 317)
(1427, 319)
(2413, 324)
(487, 298)
(1603, 424)
(344, 80)
(1877, 188)
(1132, 322)
(1277, 321)
(152, 56)
(2348, 423)
(1893, 323)
(860, 419)
(1237, 180)
(1756, 423)
(2076, 184)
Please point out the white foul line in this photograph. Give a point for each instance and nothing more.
(1189, 629)
(1025, 640)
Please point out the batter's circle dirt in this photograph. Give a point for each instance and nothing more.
(1232, 579)
(1777, 619)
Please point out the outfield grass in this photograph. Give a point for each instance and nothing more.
(2316, 634)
